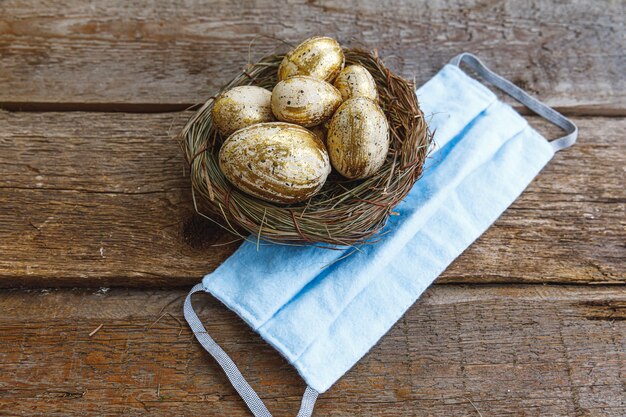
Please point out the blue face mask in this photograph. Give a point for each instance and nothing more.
(324, 310)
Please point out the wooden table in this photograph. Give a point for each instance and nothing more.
(99, 241)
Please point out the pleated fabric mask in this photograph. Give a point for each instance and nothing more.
(323, 310)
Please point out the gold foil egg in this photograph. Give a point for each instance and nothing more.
(356, 81)
(276, 162)
(304, 100)
(358, 138)
(319, 57)
(240, 107)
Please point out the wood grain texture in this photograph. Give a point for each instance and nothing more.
(510, 350)
(157, 56)
(102, 199)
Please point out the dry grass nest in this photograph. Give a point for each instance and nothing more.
(344, 212)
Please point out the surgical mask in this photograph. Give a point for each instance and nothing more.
(324, 309)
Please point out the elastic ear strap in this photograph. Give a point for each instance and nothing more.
(523, 97)
(235, 377)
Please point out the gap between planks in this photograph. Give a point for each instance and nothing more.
(46, 107)
(510, 348)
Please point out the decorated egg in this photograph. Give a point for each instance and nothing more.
(356, 81)
(320, 57)
(276, 162)
(358, 138)
(304, 100)
(240, 107)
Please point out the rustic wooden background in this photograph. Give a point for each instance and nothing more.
(529, 321)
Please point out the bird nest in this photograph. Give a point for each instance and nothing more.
(344, 212)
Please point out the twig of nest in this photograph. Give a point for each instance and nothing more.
(344, 212)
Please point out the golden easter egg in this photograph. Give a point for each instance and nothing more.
(356, 81)
(304, 100)
(276, 162)
(358, 138)
(240, 107)
(320, 57)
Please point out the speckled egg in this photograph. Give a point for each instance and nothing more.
(320, 57)
(358, 138)
(304, 100)
(356, 81)
(240, 107)
(276, 162)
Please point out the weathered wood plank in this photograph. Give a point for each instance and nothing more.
(101, 199)
(133, 56)
(510, 350)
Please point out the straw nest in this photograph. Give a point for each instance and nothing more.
(344, 212)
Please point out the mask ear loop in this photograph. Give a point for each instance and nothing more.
(250, 397)
(523, 97)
